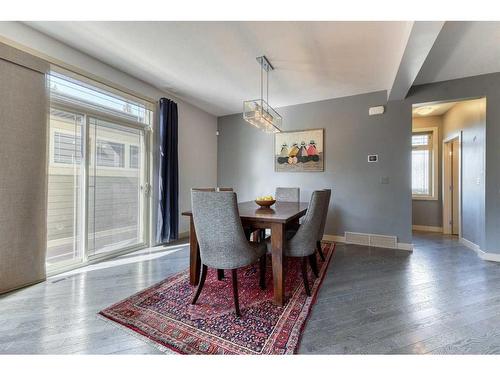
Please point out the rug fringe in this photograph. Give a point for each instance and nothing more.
(137, 335)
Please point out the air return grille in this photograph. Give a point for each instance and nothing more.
(375, 240)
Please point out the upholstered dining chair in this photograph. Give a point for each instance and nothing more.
(282, 194)
(222, 242)
(287, 194)
(203, 189)
(303, 243)
(323, 223)
(220, 273)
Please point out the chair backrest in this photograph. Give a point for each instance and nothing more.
(224, 189)
(203, 189)
(287, 194)
(219, 230)
(325, 214)
(304, 241)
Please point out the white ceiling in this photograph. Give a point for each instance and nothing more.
(212, 64)
(463, 49)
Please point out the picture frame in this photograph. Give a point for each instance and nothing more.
(299, 151)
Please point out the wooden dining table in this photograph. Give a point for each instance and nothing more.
(274, 218)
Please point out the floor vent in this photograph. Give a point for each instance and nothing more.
(375, 240)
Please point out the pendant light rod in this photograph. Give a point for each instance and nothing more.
(264, 63)
(258, 112)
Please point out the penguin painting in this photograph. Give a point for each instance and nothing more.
(303, 156)
(312, 151)
(283, 156)
(292, 154)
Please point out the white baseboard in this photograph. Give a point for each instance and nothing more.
(471, 245)
(332, 238)
(405, 246)
(491, 257)
(427, 228)
(341, 239)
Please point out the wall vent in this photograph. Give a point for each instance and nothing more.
(357, 238)
(384, 241)
(375, 240)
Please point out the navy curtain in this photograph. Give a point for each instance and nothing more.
(167, 226)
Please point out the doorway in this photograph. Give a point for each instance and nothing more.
(448, 168)
(451, 185)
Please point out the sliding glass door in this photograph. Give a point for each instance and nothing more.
(115, 187)
(98, 186)
(66, 165)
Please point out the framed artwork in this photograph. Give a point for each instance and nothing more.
(299, 151)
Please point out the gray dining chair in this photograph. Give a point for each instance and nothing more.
(203, 189)
(287, 194)
(323, 223)
(304, 241)
(282, 194)
(290, 231)
(221, 238)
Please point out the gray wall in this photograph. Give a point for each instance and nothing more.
(430, 212)
(469, 118)
(360, 202)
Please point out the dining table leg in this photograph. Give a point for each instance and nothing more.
(277, 242)
(194, 255)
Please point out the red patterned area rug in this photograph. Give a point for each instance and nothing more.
(163, 315)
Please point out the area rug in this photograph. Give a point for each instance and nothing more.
(163, 316)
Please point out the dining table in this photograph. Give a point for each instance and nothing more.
(275, 218)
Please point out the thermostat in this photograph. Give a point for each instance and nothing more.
(372, 158)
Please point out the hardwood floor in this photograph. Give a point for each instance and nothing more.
(440, 299)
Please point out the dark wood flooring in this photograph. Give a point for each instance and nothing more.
(439, 299)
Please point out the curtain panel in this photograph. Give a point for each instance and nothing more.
(167, 228)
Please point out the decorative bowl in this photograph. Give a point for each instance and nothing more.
(265, 203)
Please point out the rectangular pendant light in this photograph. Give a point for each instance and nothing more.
(258, 112)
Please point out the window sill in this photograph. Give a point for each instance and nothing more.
(424, 198)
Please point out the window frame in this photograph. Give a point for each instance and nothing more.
(434, 164)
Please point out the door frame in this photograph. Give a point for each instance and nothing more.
(447, 202)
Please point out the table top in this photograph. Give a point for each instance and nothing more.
(280, 212)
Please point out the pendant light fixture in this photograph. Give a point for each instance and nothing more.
(258, 112)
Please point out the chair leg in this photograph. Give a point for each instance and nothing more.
(304, 276)
(220, 274)
(235, 293)
(262, 272)
(314, 264)
(248, 233)
(200, 284)
(318, 247)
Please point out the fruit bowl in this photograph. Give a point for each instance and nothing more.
(265, 203)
